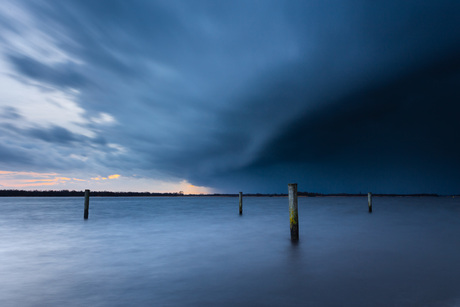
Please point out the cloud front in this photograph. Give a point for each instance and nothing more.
(340, 96)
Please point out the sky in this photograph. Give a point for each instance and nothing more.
(339, 96)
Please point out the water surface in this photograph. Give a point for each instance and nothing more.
(187, 251)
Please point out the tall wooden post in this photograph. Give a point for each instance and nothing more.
(293, 212)
(369, 201)
(241, 203)
(86, 204)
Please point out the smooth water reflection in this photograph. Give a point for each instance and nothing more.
(200, 252)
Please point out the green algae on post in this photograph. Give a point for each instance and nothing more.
(293, 212)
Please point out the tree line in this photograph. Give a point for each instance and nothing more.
(74, 193)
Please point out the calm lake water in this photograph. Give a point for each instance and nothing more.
(199, 252)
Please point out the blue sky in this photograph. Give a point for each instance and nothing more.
(214, 96)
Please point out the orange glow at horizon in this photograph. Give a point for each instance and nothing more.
(189, 188)
(114, 182)
(10, 179)
(114, 176)
(27, 173)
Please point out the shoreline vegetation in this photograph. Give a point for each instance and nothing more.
(74, 193)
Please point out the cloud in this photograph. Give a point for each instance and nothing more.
(27, 173)
(10, 113)
(9, 179)
(54, 135)
(59, 75)
(114, 176)
(401, 131)
(224, 94)
(14, 155)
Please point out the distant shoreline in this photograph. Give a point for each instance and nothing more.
(73, 193)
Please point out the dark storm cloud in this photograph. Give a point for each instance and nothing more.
(59, 75)
(60, 136)
(14, 155)
(49, 149)
(332, 94)
(10, 113)
(53, 135)
(417, 111)
(405, 127)
(400, 136)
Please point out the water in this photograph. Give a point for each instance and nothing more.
(200, 252)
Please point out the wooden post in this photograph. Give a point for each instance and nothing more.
(86, 204)
(241, 203)
(369, 201)
(293, 212)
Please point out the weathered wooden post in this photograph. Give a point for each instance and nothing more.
(293, 212)
(86, 204)
(369, 201)
(241, 203)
